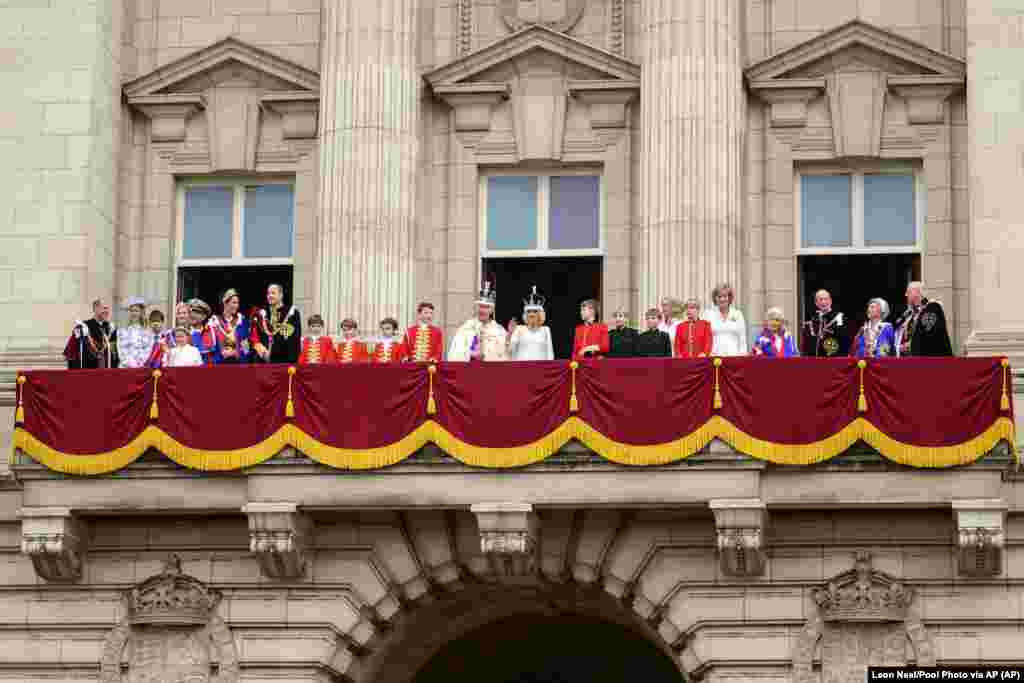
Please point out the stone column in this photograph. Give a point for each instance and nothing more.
(693, 119)
(995, 119)
(369, 115)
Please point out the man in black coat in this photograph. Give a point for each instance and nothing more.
(276, 333)
(824, 335)
(922, 330)
(93, 343)
(652, 342)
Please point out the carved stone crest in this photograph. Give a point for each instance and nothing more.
(863, 617)
(558, 15)
(170, 633)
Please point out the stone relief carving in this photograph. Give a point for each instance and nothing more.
(279, 535)
(980, 536)
(465, 27)
(617, 26)
(558, 15)
(740, 524)
(862, 617)
(55, 541)
(170, 634)
(508, 537)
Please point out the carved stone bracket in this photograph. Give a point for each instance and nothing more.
(298, 111)
(508, 536)
(473, 103)
(926, 95)
(168, 114)
(740, 525)
(280, 536)
(788, 98)
(980, 536)
(55, 541)
(607, 100)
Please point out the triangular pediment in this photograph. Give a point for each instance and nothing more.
(541, 46)
(229, 60)
(856, 46)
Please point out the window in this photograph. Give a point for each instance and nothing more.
(541, 215)
(225, 223)
(877, 208)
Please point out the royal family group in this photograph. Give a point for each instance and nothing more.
(273, 333)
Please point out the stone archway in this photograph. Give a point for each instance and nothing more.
(422, 641)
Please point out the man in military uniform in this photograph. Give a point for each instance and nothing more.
(921, 330)
(276, 334)
(824, 335)
(93, 343)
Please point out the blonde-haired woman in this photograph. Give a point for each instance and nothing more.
(531, 341)
(775, 341)
(728, 326)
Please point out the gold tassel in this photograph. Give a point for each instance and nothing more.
(1004, 400)
(717, 403)
(19, 413)
(154, 409)
(862, 401)
(574, 404)
(431, 403)
(289, 407)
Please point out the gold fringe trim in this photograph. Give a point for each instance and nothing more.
(519, 456)
(19, 412)
(862, 401)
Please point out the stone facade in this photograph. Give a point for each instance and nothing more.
(384, 116)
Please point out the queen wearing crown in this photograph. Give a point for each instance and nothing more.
(480, 338)
(531, 341)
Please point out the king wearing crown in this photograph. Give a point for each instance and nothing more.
(423, 341)
(480, 338)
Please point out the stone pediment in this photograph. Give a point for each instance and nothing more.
(547, 77)
(234, 83)
(580, 59)
(225, 61)
(858, 46)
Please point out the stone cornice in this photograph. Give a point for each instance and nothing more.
(857, 32)
(788, 98)
(298, 111)
(227, 50)
(168, 114)
(536, 36)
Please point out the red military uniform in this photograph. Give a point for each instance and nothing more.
(423, 343)
(693, 339)
(587, 335)
(316, 351)
(350, 351)
(389, 353)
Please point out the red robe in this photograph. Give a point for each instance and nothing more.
(699, 346)
(317, 351)
(351, 351)
(395, 353)
(587, 335)
(424, 344)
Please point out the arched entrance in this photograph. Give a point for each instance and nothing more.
(562, 649)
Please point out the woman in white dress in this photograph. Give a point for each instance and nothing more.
(531, 341)
(182, 354)
(728, 326)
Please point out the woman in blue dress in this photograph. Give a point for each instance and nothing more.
(877, 338)
(775, 341)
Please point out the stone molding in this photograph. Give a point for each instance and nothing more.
(788, 98)
(473, 103)
(298, 111)
(55, 541)
(980, 536)
(617, 29)
(508, 537)
(281, 538)
(926, 95)
(740, 528)
(168, 114)
(464, 27)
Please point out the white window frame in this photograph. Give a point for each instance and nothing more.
(238, 184)
(857, 171)
(543, 218)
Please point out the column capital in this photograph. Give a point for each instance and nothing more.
(280, 536)
(55, 541)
